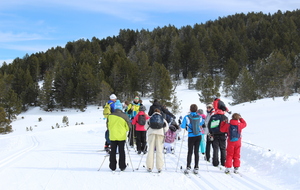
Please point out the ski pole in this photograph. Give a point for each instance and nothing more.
(180, 150)
(256, 145)
(165, 160)
(205, 162)
(103, 162)
(141, 158)
(129, 156)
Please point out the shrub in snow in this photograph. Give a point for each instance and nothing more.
(8, 129)
(65, 119)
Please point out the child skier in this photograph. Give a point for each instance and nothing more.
(139, 122)
(170, 137)
(203, 138)
(234, 142)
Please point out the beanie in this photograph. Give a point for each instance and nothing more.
(118, 105)
(142, 108)
(200, 111)
(113, 97)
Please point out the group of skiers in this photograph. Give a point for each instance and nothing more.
(156, 132)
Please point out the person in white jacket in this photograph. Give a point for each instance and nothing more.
(156, 141)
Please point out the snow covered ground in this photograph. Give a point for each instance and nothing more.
(69, 157)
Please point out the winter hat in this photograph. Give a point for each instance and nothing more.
(113, 97)
(200, 111)
(118, 105)
(142, 108)
(209, 105)
(172, 128)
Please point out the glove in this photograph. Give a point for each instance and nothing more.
(179, 121)
(229, 112)
(174, 117)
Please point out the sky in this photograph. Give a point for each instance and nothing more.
(31, 26)
(70, 157)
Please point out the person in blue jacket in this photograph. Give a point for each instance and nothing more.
(193, 140)
(111, 102)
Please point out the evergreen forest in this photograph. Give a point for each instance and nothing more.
(251, 56)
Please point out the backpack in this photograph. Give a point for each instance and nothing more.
(234, 133)
(156, 121)
(141, 119)
(221, 106)
(106, 109)
(170, 136)
(195, 122)
(214, 124)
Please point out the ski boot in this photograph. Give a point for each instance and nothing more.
(236, 170)
(187, 170)
(227, 171)
(196, 170)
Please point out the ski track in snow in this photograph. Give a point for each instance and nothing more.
(18, 154)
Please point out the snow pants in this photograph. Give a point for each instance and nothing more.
(156, 145)
(207, 148)
(193, 146)
(202, 147)
(233, 151)
(141, 140)
(112, 156)
(131, 135)
(219, 144)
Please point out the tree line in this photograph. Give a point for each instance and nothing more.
(251, 56)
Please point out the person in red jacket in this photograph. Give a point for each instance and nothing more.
(233, 145)
(220, 107)
(140, 131)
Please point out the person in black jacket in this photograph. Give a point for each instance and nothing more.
(164, 111)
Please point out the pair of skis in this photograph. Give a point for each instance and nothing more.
(188, 174)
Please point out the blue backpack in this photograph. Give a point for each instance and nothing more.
(234, 134)
(156, 121)
(195, 122)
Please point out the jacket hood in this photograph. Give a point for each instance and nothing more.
(156, 104)
(234, 122)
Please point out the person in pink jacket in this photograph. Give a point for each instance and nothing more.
(140, 131)
(234, 141)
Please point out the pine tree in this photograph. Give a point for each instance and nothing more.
(105, 92)
(190, 81)
(231, 70)
(271, 73)
(12, 105)
(245, 88)
(46, 93)
(206, 86)
(161, 84)
(4, 122)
